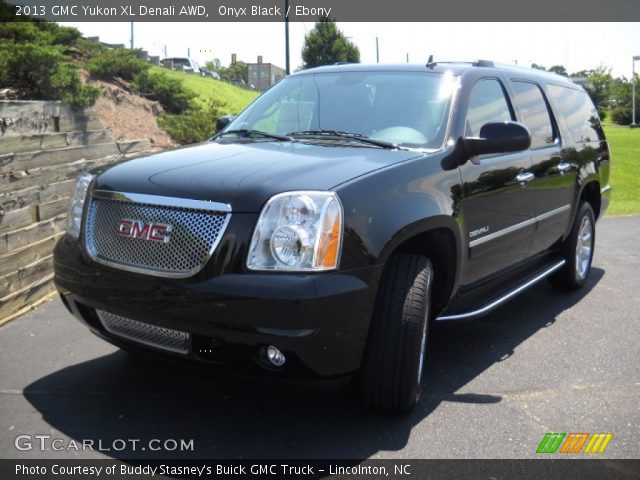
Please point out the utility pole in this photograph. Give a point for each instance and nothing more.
(377, 51)
(286, 37)
(131, 35)
(633, 93)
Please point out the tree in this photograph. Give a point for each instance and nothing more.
(621, 95)
(598, 86)
(214, 66)
(236, 73)
(325, 44)
(559, 69)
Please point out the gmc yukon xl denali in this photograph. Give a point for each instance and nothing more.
(324, 229)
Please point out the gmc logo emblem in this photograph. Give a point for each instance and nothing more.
(155, 232)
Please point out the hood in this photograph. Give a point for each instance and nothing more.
(246, 175)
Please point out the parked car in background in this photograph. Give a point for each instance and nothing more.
(209, 73)
(188, 65)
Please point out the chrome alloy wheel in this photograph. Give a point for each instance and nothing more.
(584, 247)
(423, 349)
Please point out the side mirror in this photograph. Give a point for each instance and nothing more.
(499, 137)
(223, 121)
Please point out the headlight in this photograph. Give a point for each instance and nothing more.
(77, 204)
(298, 231)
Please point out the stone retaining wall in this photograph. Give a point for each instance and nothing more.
(43, 147)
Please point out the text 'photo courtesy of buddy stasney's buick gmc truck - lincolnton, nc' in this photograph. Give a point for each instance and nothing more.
(324, 229)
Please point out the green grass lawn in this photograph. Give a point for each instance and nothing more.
(624, 143)
(235, 98)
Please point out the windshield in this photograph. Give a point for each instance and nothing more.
(404, 108)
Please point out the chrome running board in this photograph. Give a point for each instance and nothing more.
(496, 303)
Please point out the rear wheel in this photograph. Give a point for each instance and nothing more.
(577, 251)
(393, 363)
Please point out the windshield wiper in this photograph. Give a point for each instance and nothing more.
(247, 133)
(358, 137)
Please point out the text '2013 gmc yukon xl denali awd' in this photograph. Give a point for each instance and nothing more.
(323, 229)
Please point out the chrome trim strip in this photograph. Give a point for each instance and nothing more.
(500, 233)
(504, 298)
(551, 213)
(172, 202)
(604, 189)
(517, 226)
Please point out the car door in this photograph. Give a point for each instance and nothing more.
(497, 207)
(555, 175)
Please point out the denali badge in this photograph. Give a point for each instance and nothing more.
(479, 231)
(156, 232)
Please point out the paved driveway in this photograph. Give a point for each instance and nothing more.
(545, 362)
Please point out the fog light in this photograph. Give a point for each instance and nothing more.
(275, 356)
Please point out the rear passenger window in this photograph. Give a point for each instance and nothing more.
(487, 103)
(535, 114)
(578, 112)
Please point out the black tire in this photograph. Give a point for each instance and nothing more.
(392, 367)
(577, 268)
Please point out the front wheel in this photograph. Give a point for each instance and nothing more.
(393, 363)
(577, 251)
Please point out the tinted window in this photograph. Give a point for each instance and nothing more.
(486, 104)
(578, 112)
(408, 108)
(535, 114)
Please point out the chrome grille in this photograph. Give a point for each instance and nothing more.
(195, 232)
(159, 337)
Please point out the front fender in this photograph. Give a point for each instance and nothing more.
(388, 207)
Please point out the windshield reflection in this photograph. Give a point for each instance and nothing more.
(404, 108)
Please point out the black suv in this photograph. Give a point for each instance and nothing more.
(348, 207)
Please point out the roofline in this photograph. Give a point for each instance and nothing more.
(438, 66)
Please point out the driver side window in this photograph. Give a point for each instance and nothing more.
(487, 103)
(291, 113)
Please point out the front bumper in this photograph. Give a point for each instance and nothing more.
(320, 321)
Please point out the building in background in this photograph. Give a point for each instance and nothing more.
(263, 75)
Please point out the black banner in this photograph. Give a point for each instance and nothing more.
(541, 469)
(340, 10)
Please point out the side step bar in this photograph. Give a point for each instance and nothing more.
(509, 295)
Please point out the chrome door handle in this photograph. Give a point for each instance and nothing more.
(563, 167)
(525, 177)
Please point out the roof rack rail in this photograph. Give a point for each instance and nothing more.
(483, 63)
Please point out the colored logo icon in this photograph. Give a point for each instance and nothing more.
(574, 442)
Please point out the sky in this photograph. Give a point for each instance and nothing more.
(577, 46)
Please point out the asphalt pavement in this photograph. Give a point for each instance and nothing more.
(546, 362)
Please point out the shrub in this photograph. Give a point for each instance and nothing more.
(23, 32)
(118, 62)
(87, 49)
(40, 72)
(66, 36)
(69, 88)
(622, 115)
(28, 67)
(195, 125)
(169, 92)
(44, 33)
